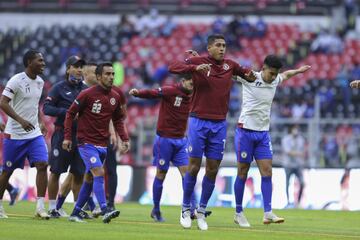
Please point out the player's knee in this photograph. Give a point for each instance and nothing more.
(88, 178)
(98, 171)
(41, 167)
(161, 174)
(194, 169)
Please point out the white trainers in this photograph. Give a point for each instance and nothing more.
(74, 218)
(2, 213)
(41, 213)
(62, 213)
(240, 219)
(202, 225)
(185, 219)
(270, 217)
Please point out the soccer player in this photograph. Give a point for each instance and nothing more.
(23, 131)
(60, 97)
(293, 146)
(89, 79)
(95, 107)
(212, 79)
(170, 142)
(252, 139)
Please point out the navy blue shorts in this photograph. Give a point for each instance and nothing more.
(60, 159)
(251, 145)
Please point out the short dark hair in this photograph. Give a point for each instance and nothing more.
(186, 76)
(29, 55)
(211, 39)
(273, 61)
(100, 67)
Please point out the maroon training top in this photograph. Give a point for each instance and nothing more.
(211, 94)
(96, 106)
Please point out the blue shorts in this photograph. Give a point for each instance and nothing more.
(60, 159)
(168, 150)
(15, 152)
(93, 156)
(207, 138)
(251, 144)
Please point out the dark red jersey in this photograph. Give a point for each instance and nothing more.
(211, 94)
(174, 109)
(96, 107)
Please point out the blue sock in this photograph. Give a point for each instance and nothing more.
(193, 201)
(60, 201)
(90, 203)
(157, 191)
(266, 190)
(188, 186)
(239, 187)
(99, 191)
(207, 189)
(83, 196)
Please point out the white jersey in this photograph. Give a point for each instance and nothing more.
(257, 98)
(25, 94)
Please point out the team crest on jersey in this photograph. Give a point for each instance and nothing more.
(93, 159)
(190, 148)
(8, 164)
(112, 101)
(243, 154)
(162, 162)
(56, 152)
(226, 66)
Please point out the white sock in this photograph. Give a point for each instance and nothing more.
(40, 203)
(52, 204)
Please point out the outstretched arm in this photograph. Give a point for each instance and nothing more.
(290, 73)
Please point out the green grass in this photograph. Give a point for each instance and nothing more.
(134, 223)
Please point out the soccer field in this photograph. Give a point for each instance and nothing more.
(134, 223)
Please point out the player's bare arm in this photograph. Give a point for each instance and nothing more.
(5, 106)
(290, 73)
(250, 76)
(42, 126)
(355, 84)
(125, 147)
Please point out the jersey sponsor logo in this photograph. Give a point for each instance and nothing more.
(68, 93)
(178, 101)
(112, 101)
(93, 159)
(243, 154)
(56, 152)
(162, 162)
(8, 163)
(226, 66)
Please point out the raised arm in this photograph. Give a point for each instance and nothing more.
(290, 73)
(146, 93)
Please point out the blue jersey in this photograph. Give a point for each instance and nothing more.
(60, 98)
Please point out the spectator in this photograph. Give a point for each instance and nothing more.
(293, 146)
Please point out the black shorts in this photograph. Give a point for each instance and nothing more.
(60, 160)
